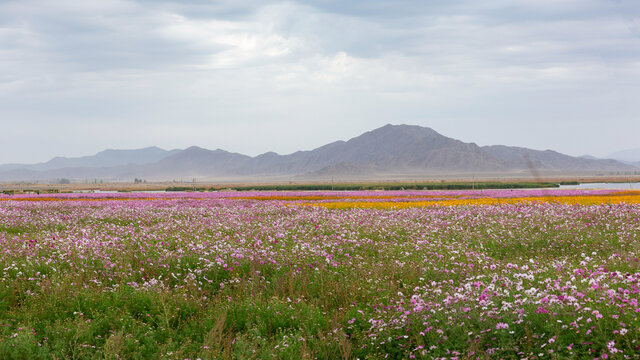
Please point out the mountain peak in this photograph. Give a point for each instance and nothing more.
(194, 148)
(404, 127)
(401, 134)
(390, 150)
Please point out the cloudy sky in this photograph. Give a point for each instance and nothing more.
(251, 76)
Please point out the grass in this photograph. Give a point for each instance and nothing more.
(13, 229)
(256, 279)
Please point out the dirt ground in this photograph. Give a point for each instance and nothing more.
(222, 184)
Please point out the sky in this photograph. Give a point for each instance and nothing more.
(248, 76)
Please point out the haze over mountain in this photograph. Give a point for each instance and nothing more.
(519, 158)
(104, 158)
(392, 150)
(629, 155)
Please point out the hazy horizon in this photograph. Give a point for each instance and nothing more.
(250, 77)
(625, 155)
(252, 155)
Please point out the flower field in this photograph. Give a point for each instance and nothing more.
(328, 275)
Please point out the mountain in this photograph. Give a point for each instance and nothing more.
(523, 158)
(196, 162)
(106, 158)
(392, 150)
(342, 169)
(406, 149)
(629, 155)
(589, 157)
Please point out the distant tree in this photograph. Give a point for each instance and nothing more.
(64, 181)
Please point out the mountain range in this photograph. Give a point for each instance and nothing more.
(630, 156)
(392, 150)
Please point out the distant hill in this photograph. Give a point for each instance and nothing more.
(523, 158)
(389, 150)
(629, 155)
(589, 157)
(106, 158)
(195, 162)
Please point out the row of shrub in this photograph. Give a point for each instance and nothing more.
(400, 186)
(351, 187)
(29, 191)
(396, 186)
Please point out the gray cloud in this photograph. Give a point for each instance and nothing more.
(252, 76)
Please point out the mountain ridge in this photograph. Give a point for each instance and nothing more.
(104, 158)
(628, 155)
(390, 149)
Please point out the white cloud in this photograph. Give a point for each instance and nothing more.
(247, 75)
(229, 44)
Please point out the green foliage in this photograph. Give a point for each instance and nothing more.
(13, 230)
(274, 316)
(185, 188)
(99, 305)
(398, 186)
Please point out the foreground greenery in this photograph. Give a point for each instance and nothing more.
(221, 279)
